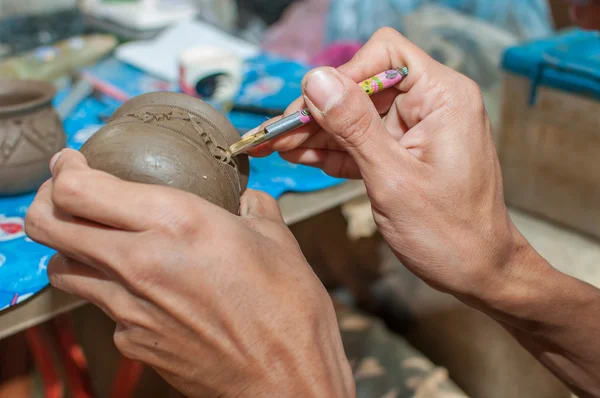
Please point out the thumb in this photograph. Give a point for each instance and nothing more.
(341, 107)
(258, 204)
(67, 159)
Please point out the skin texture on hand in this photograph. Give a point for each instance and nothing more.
(426, 154)
(219, 305)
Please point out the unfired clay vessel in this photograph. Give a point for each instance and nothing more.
(175, 140)
(30, 133)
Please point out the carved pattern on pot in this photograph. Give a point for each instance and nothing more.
(154, 117)
(174, 140)
(30, 133)
(10, 141)
(219, 153)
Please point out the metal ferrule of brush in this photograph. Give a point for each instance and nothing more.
(283, 126)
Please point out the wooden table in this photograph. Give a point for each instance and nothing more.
(51, 302)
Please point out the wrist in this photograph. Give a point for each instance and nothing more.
(315, 366)
(324, 382)
(526, 292)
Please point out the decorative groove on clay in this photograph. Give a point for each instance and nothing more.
(9, 144)
(24, 129)
(200, 164)
(199, 144)
(219, 153)
(45, 142)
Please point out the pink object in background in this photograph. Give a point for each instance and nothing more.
(300, 33)
(337, 54)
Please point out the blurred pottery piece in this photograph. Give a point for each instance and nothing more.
(174, 140)
(30, 133)
(49, 63)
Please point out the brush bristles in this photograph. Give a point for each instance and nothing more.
(239, 146)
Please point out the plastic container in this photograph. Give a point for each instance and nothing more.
(549, 145)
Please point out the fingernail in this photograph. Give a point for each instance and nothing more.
(53, 160)
(324, 89)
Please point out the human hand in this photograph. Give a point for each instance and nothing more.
(426, 155)
(219, 305)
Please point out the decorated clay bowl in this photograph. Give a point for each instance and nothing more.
(30, 133)
(174, 140)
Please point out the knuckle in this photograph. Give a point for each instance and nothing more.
(265, 199)
(137, 269)
(126, 313)
(35, 221)
(354, 129)
(386, 33)
(182, 223)
(54, 277)
(67, 186)
(126, 344)
(54, 267)
(177, 213)
(384, 192)
(473, 91)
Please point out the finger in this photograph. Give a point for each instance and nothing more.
(102, 198)
(388, 49)
(300, 137)
(90, 243)
(337, 164)
(87, 283)
(289, 141)
(68, 158)
(259, 204)
(346, 112)
(384, 100)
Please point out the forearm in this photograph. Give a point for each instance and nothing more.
(556, 317)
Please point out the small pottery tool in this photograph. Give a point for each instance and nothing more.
(371, 86)
(80, 91)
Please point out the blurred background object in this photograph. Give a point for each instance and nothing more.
(136, 19)
(549, 142)
(61, 59)
(469, 45)
(357, 19)
(10, 8)
(269, 11)
(560, 13)
(25, 25)
(211, 73)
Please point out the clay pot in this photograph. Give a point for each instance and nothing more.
(30, 133)
(174, 140)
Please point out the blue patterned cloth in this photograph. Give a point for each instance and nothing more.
(269, 83)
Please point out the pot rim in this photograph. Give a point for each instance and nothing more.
(43, 91)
